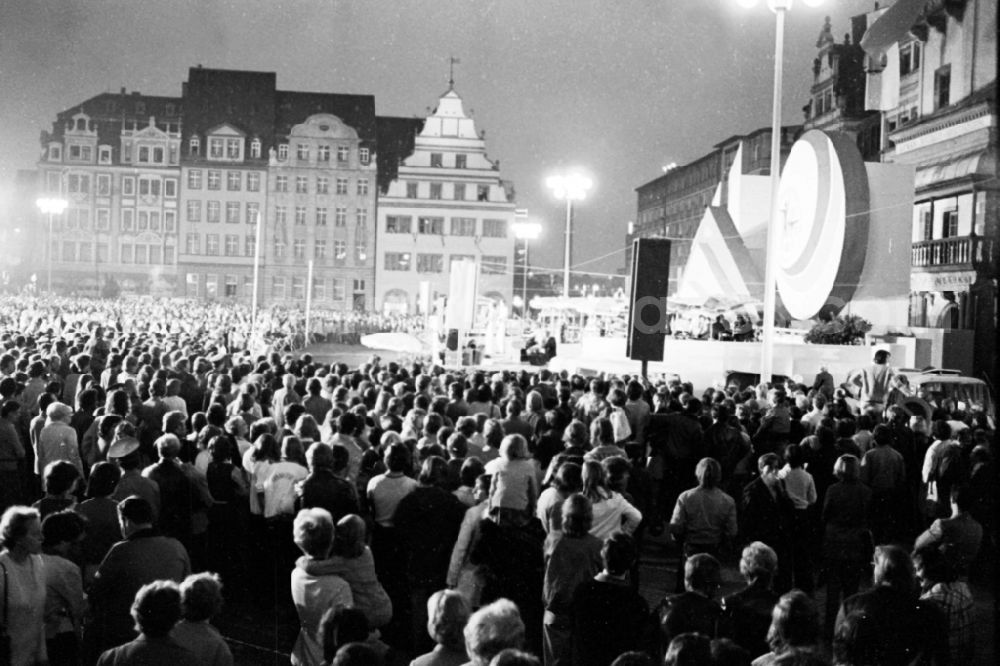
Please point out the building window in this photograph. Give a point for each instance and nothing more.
(255, 149)
(128, 186)
(170, 188)
(79, 153)
(319, 293)
(483, 193)
(340, 217)
(102, 253)
(411, 190)
(495, 228)
(104, 185)
(234, 148)
(300, 215)
(253, 182)
(55, 153)
(435, 190)
(494, 264)
(322, 185)
(460, 161)
(143, 218)
(463, 226)
(302, 152)
(319, 250)
(323, 154)
(361, 216)
(281, 184)
(230, 288)
(397, 261)
(194, 179)
(279, 215)
(283, 152)
(170, 221)
(250, 245)
(301, 185)
(298, 288)
(232, 212)
(430, 263)
(213, 211)
(234, 180)
(125, 253)
(321, 217)
(232, 245)
(430, 225)
(212, 245)
(339, 251)
(341, 186)
(149, 187)
(279, 248)
(104, 155)
(85, 252)
(216, 149)
(436, 159)
(278, 286)
(128, 220)
(343, 152)
(141, 254)
(253, 212)
(927, 223)
(337, 292)
(364, 154)
(363, 186)
(398, 224)
(214, 179)
(942, 87)
(193, 210)
(360, 251)
(103, 220)
(459, 191)
(949, 224)
(78, 184)
(359, 284)
(909, 58)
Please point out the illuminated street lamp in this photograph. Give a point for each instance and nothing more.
(570, 187)
(50, 206)
(779, 7)
(526, 231)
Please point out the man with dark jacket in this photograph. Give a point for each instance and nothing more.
(179, 497)
(695, 609)
(768, 515)
(325, 487)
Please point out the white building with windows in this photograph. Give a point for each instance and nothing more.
(446, 204)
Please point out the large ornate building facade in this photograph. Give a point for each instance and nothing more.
(447, 203)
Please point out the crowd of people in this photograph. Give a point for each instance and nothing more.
(152, 469)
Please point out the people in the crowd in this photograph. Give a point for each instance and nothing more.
(747, 613)
(958, 536)
(937, 576)
(447, 615)
(65, 601)
(156, 610)
(492, 629)
(201, 600)
(704, 518)
(768, 516)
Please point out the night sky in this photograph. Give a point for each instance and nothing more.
(617, 88)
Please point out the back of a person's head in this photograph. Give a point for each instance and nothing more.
(618, 553)
(708, 472)
(201, 596)
(702, 573)
(397, 457)
(857, 640)
(794, 622)
(492, 629)
(357, 654)
(434, 472)
(689, 649)
(62, 527)
(447, 614)
(577, 515)
(726, 652)
(136, 510)
(758, 562)
(59, 477)
(894, 568)
(157, 608)
(340, 626)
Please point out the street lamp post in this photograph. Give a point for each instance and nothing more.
(779, 7)
(526, 231)
(50, 206)
(570, 187)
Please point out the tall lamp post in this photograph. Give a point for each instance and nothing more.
(525, 232)
(570, 187)
(50, 206)
(779, 7)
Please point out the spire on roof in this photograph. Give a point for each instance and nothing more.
(452, 61)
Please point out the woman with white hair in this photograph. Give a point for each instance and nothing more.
(447, 614)
(514, 490)
(314, 594)
(747, 613)
(491, 630)
(201, 599)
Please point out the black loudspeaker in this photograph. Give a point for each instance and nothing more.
(647, 309)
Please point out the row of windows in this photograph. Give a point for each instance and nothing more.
(102, 185)
(233, 245)
(459, 161)
(434, 263)
(459, 191)
(213, 211)
(323, 153)
(128, 253)
(458, 226)
(302, 215)
(324, 289)
(139, 153)
(322, 185)
(321, 250)
(213, 181)
(231, 149)
(131, 220)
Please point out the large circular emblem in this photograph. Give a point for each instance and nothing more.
(822, 226)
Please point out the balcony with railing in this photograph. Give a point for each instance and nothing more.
(961, 253)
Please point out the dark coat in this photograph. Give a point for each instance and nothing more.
(747, 617)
